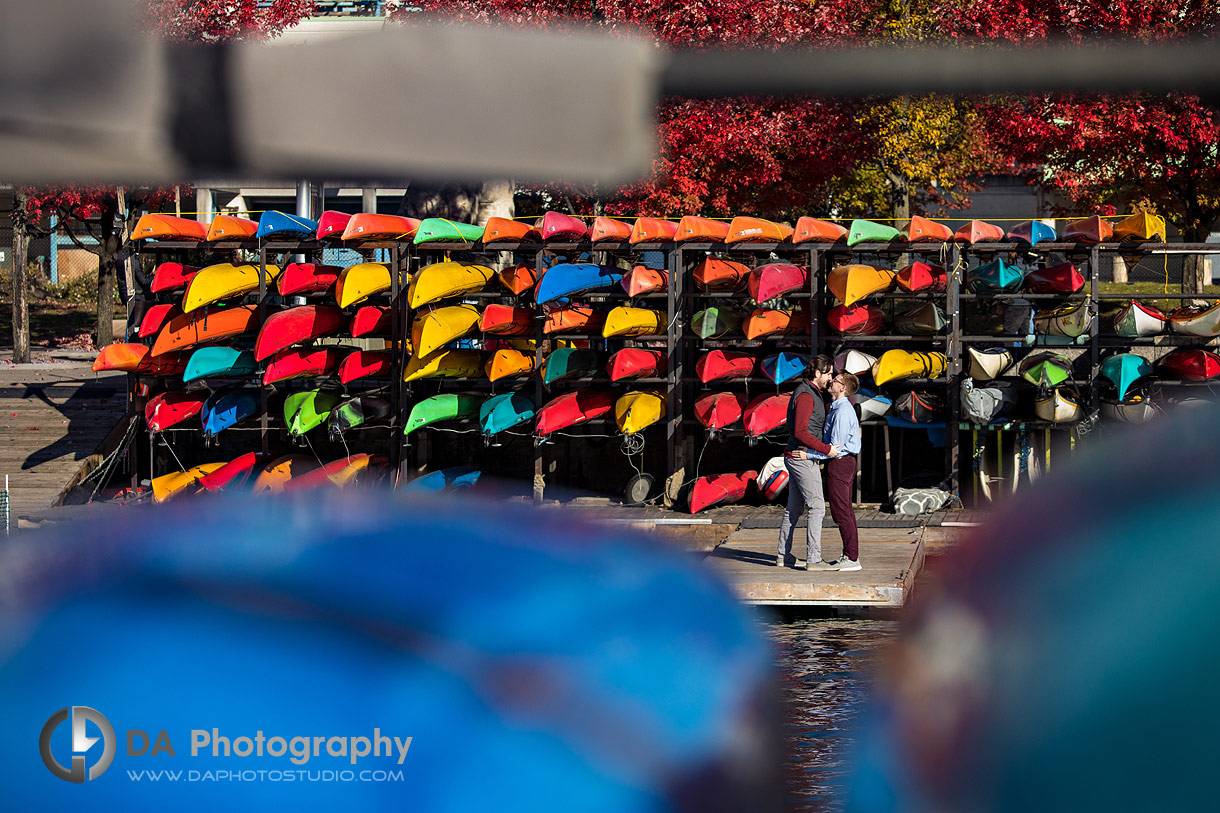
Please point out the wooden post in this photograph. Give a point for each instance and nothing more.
(21, 270)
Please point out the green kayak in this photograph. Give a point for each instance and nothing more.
(569, 362)
(1046, 369)
(716, 321)
(307, 409)
(447, 406)
(440, 230)
(359, 411)
(866, 231)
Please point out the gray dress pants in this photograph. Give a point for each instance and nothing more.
(804, 490)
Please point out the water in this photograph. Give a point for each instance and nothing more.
(826, 666)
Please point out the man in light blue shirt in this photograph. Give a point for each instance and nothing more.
(842, 431)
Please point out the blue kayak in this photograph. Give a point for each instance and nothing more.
(226, 407)
(1031, 232)
(208, 362)
(995, 277)
(281, 226)
(449, 479)
(784, 366)
(505, 411)
(565, 279)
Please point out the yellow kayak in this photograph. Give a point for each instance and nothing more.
(625, 321)
(360, 281)
(898, 364)
(444, 364)
(174, 483)
(223, 281)
(851, 283)
(507, 362)
(638, 409)
(276, 474)
(433, 329)
(441, 280)
(1141, 227)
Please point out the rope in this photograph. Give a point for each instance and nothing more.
(109, 463)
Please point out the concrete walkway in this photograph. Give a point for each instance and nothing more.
(55, 413)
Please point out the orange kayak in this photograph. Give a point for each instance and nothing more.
(1088, 230)
(167, 227)
(812, 230)
(198, 327)
(763, 322)
(644, 280)
(922, 230)
(653, 230)
(977, 231)
(574, 319)
(508, 362)
(607, 228)
(757, 230)
(372, 226)
(506, 230)
(518, 278)
(137, 358)
(276, 474)
(701, 229)
(715, 274)
(228, 227)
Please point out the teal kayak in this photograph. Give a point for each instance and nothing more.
(569, 362)
(996, 276)
(505, 411)
(1123, 370)
(219, 362)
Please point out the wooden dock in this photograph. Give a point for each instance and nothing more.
(891, 558)
(54, 414)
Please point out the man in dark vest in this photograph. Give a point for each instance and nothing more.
(806, 420)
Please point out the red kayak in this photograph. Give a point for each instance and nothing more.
(336, 473)
(723, 365)
(507, 320)
(636, 362)
(858, 319)
(206, 325)
(701, 229)
(1088, 230)
(644, 280)
(560, 227)
(653, 230)
(372, 320)
(719, 489)
(572, 408)
(303, 279)
(715, 274)
(172, 408)
(922, 230)
(332, 224)
(766, 413)
(718, 410)
(812, 230)
(977, 231)
(295, 325)
(1192, 364)
(299, 362)
(607, 228)
(574, 319)
(766, 282)
(372, 226)
(156, 318)
(365, 364)
(232, 475)
(171, 277)
(920, 277)
(1058, 279)
(137, 358)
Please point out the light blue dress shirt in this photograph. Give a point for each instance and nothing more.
(842, 429)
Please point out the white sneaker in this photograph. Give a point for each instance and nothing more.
(843, 563)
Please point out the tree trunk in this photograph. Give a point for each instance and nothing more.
(21, 271)
(1119, 269)
(107, 267)
(1194, 269)
(495, 200)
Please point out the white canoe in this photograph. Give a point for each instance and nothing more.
(986, 363)
(1060, 405)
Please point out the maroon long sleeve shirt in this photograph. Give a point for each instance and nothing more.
(800, 429)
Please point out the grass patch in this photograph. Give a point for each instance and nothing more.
(55, 324)
(1147, 292)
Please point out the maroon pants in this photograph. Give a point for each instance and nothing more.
(840, 478)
